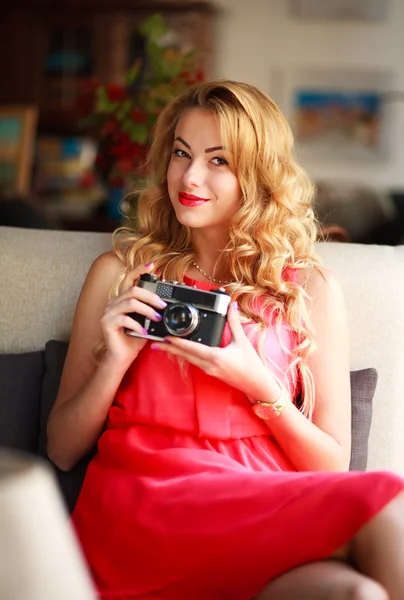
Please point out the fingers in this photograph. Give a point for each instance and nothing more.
(133, 298)
(233, 320)
(132, 277)
(118, 322)
(140, 294)
(132, 305)
(126, 322)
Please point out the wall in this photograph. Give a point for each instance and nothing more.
(256, 36)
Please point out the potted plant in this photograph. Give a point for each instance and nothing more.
(121, 117)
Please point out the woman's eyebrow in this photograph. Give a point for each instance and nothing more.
(213, 149)
(179, 139)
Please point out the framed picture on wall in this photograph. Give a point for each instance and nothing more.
(339, 114)
(17, 139)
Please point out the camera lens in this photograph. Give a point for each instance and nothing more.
(181, 319)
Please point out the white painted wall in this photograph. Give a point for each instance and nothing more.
(255, 36)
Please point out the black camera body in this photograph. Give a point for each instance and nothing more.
(192, 314)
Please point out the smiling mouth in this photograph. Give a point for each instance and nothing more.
(191, 200)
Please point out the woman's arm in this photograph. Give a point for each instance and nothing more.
(86, 389)
(324, 443)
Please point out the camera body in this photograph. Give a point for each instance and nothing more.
(192, 314)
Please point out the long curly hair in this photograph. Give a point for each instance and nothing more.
(274, 229)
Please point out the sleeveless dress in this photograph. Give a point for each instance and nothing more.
(190, 498)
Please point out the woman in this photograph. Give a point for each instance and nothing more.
(222, 470)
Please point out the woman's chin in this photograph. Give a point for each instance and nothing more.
(195, 219)
(191, 220)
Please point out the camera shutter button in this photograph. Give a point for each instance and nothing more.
(173, 282)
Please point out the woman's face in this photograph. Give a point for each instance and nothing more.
(203, 190)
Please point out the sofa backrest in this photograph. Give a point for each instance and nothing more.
(372, 278)
(41, 274)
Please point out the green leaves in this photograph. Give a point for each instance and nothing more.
(153, 28)
(133, 73)
(138, 132)
(103, 103)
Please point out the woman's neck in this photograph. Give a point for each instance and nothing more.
(209, 256)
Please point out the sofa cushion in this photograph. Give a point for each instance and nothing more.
(20, 390)
(70, 481)
(363, 387)
(20, 393)
(55, 354)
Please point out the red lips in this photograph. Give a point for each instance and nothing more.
(191, 200)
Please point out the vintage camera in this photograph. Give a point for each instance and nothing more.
(191, 313)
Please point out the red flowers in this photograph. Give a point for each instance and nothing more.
(138, 116)
(115, 92)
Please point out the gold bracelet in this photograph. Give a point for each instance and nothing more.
(270, 410)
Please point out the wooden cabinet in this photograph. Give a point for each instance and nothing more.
(46, 49)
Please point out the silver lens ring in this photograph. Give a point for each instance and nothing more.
(194, 318)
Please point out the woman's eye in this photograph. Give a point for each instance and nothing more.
(219, 161)
(180, 153)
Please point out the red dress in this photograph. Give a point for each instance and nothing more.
(190, 498)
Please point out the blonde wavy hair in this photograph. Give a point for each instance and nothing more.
(274, 229)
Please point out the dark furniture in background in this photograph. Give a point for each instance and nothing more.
(17, 212)
(47, 48)
(368, 215)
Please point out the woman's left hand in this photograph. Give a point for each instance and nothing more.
(238, 364)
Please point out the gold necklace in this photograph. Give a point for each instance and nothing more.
(210, 278)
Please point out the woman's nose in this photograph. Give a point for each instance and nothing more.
(195, 175)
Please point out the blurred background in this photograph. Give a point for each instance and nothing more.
(83, 82)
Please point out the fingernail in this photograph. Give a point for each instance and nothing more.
(167, 341)
(162, 303)
(155, 347)
(158, 316)
(148, 264)
(235, 306)
(144, 331)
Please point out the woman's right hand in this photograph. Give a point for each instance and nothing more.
(121, 348)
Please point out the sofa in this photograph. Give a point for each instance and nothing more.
(41, 274)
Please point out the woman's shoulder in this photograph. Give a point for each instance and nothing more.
(322, 286)
(108, 260)
(316, 277)
(104, 270)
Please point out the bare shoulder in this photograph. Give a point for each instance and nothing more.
(105, 269)
(98, 283)
(326, 311)
(321, 285)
